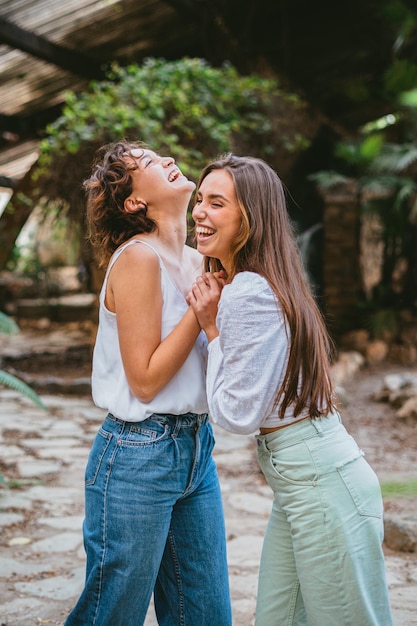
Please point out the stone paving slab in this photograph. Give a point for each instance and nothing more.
(42, 557)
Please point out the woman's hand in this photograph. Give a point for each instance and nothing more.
(204, 297)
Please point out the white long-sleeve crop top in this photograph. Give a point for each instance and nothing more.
(248, 360)
(184, 393)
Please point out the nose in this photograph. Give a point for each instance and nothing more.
(198, 212)
(167, 161)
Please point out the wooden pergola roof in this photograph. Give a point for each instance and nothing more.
(48, 47)
(325, 49)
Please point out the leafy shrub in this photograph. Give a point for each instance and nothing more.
(184, 108)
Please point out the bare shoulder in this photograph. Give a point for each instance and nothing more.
(139, 252)
(134, 276)
(195, 259)
(135, 258)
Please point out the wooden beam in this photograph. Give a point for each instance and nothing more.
(7, 183)
(186, 6)
(39, 47)
(26, 126)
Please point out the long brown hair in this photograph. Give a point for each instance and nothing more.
(110, 183)
(266, 244)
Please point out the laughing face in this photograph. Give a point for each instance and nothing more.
(217, 216)
(157, 179)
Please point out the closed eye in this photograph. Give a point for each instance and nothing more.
(215, 204)
(146, 160)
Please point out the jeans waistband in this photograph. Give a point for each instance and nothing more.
(168, 418)
(304, 429)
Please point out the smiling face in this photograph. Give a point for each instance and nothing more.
(156, 180)
(217, 216)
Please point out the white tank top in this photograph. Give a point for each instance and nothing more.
(184, 393)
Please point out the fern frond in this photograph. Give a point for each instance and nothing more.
(8, 380)
(7, 325)
(327, 180)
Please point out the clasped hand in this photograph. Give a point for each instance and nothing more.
(204, 297)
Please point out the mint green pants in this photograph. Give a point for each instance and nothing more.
(322, 562)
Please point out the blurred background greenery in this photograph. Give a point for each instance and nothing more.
(326, 92)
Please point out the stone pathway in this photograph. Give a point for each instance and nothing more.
(42, 558)
(42, 458)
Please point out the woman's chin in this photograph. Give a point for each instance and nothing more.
(203, 247)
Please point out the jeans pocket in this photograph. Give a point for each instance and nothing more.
(97, 452)
(363, 486)
(294, 465)
(145, 433)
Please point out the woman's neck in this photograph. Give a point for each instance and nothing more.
(169, 238)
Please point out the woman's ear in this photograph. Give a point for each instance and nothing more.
(133, 205)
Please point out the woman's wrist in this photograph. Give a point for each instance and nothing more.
(211, 333)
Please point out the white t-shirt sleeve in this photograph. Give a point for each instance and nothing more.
(247, 362)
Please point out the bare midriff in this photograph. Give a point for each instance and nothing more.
(265, 431)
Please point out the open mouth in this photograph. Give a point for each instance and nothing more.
(174, 175)
(203, 232)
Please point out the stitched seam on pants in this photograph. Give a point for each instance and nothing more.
(104, 535)
(196, 461)
(177, 576)
(293, 602)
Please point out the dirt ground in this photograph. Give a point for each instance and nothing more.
(390, 444)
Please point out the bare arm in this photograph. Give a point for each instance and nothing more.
(134, 294)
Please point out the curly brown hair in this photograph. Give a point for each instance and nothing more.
(110, 183)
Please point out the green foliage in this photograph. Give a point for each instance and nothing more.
(359, 155)
(383, 322)
(328, 179)
(185, 108)
(402, 73)
(408, 98)
(53, 241)
(8, 380)
(384, 172)
(9, 327)
(393, 489)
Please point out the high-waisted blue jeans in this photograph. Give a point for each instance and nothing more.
(154, 523)
(322, 562)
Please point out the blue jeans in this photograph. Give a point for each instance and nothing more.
(154, 524)
(322, 562)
